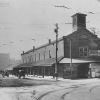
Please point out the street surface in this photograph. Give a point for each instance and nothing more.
(42, 89)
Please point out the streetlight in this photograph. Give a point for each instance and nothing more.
(56, 64)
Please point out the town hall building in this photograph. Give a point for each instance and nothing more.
(78, 54)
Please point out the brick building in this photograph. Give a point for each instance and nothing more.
(78, 54)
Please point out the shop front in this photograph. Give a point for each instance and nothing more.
(75, 68)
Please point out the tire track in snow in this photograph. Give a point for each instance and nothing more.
(50, 92)
(94, 87)
(77, 86)
(57, 90)
(73, 89)
(68, 92)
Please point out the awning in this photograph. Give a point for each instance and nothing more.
(23, 65)
(68, 60)
(47, 62)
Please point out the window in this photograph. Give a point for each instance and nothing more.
(74, 21)
(39, 56)
(26, 59)
(23, 60)
(35, 57)
(83, 51)
(29, 59)
(44, 55)
(49, 54)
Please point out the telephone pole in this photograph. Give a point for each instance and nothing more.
(56, 64)
(70, 58)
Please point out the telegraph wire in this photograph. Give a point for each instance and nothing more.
(62, 6)
(14, 42)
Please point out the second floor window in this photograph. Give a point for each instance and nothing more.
(23, 60)
(35, 57)
(49, 54)
(44, 55)
(29, 59)
(83, 51)
(39, 56)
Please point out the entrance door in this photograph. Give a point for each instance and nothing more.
(83, 70)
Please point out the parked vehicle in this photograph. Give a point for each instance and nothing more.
(21, 74)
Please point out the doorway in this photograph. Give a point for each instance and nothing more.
(83, 70)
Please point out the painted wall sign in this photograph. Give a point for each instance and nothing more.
(94, 52)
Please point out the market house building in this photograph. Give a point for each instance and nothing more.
(78, 54)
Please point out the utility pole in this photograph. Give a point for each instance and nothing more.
(70, 58)
(56, 64)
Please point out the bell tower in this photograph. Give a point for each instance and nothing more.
(78, 21)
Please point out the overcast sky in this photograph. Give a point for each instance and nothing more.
(24, 23)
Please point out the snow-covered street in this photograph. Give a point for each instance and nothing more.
(87, 89)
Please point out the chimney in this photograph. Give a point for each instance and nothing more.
(78, 21)
(23, 52)
(33, 48)
(49, 41)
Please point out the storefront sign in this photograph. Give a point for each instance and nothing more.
(98, 52)
(94, 52)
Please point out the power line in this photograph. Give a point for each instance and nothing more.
(13, 42)
(62, 6)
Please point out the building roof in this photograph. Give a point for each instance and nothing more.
(23, 65)
(50, 62)
(68, 60)
(47, 62)
(44, 45)
(79, 14)
(84, 30)
(80, 32)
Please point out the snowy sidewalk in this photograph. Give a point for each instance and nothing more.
(61, 79)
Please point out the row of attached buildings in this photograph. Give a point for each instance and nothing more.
(78, 54)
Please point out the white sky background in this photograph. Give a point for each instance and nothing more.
(21, 21)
